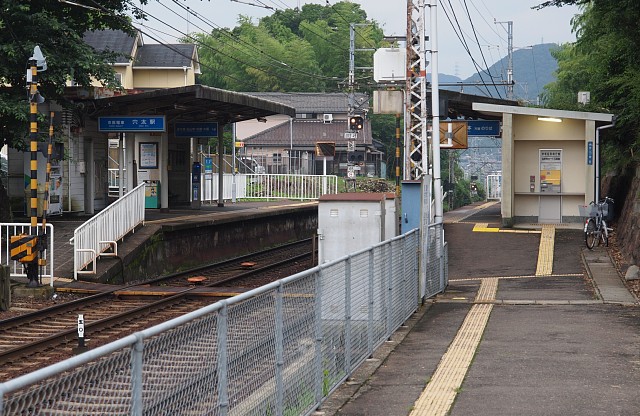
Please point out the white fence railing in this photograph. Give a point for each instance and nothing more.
(7, 230)
(114, 181)
(269, 186)
(104, 229)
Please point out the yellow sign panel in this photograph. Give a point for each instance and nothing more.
(453, 135)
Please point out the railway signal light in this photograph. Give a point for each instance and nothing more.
(356, 122)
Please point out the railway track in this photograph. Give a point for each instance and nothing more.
(40, 338)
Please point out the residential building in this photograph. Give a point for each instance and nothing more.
(281, 144)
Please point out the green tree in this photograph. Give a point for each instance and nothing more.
(249, 58)
(57, 28)
(292, 50)
(383, 129)
(605, 60)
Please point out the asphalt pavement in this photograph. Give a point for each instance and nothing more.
(530, 324)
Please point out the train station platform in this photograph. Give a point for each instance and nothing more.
(173, 222)
(532, 323)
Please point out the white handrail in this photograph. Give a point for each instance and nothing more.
(16, 228)
(103, 230)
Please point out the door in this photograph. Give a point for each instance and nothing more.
(179, 174)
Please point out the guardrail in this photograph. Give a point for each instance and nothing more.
(279, 349)
(7, 230)
(269, 186)
(102, 232)
(114, 181)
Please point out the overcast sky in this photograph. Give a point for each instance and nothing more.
(530, 27)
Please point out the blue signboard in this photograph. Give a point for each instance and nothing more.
(132, 124)
(483, 128)
(589, 153)
(202, 129)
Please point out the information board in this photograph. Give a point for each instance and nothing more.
(550, 170)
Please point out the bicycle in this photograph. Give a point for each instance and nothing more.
(595, 225)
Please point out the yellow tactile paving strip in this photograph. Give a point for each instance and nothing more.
(545, 252)
(438, 396)
(483, 227)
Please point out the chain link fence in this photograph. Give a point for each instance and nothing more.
(277, 350)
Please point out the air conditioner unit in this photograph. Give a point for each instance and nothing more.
(327, 118)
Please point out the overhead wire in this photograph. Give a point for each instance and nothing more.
(346, 20)
(169, 46)
(280, 64)
(480, 48)
(464, 43)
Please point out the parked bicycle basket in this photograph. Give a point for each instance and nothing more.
(588, 210)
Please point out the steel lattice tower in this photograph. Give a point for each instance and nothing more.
(416, 162)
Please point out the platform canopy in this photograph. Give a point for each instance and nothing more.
(192, 103)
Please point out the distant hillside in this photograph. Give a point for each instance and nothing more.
(533, 68)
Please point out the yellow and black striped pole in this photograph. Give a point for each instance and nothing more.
(33, 136)
(32, 267)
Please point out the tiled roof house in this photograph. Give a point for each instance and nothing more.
(142, 66)
(320, 117)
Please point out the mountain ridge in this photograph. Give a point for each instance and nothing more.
(533, 68)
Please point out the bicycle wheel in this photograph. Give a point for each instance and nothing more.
(605, 234)
(590, 235)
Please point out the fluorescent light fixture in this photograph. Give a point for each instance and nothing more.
(551, 119)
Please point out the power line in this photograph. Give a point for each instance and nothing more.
(347, 21)
(280, 64)
(463, 42)
(481, 53)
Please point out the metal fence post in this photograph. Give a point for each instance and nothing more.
(370, 326)
(405, 298)
(223, 382)
(347, 316)
(389, 263)
(318, 338)
(416, 268)
(279, 351)
(443, 283)
(136, 377)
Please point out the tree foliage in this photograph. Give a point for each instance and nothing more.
(293, 50)
(605, 60)
(58, 29)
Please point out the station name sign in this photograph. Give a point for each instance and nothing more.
(132, 124)
(483, 128)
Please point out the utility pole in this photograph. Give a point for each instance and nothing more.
(510, 58)
(355, 122)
